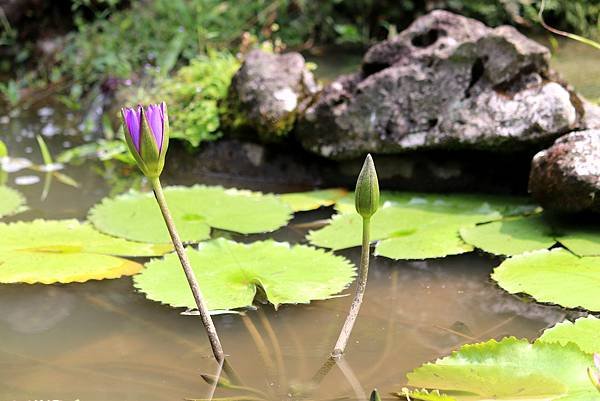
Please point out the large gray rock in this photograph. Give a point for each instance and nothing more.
(566, 176)
(445, 82)
(266, 94)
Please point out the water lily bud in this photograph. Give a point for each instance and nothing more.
(147, 135)
(366, 195)
(375, 396)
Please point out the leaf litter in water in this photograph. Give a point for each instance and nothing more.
(417, 226)
(555, 276)
(64, 251)
(195, 209)
(232, 273)
(11, 201)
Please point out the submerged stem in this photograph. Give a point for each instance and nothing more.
(342, 341)
(211, 331)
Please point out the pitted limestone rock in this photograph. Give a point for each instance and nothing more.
(445, 82)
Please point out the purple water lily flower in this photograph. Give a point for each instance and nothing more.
(155, 115)
(147, 134)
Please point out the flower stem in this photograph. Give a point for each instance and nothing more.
(340, 345)
(211, 331)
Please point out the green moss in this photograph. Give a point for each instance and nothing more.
(192, 95)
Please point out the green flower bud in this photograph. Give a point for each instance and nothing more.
(366, 195)
(375, 396)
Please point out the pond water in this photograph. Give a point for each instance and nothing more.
(103, 341)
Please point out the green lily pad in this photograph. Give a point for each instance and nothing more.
(510, 369)
(63, 251)
(196, 209)
(11, 201)
(231, 273)
(303, 201)
(582, 240)
(415, 226)
(583, 332)
(510, 236)
(556, 276)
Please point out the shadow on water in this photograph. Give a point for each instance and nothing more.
(103, 341)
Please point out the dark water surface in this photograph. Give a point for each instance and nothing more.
(103, 341)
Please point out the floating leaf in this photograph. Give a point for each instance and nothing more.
(230, 274)
(583, 333)
(303, 201)
(582, 240)
(510, 236)
(555, 276)
(65, 251)
(510, 369)
(11, 201)
(415, 226)
(196, 209)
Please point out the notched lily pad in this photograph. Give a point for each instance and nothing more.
(195, 209)
(583, 332)
(509, 369)
(11, 201)
(510, 236)
(63, 251)
(416, 226)
(303, 201)
(231, 273)
(556, 276)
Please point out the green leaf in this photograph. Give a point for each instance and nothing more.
(510, 236)
(230, 274)
(11, 201)
(581, 239)
(510, 369)
(555, 276)
(416, 226)
(303, 201)
(196, 209)
(583, 332)
(65, 251)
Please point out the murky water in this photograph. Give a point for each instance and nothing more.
(103, 341)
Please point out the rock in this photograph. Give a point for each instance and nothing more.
(243, 164)
(566, 176)
(266, 94)
(446, 82)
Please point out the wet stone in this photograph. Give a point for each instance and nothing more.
(566, 176)
(446, 82)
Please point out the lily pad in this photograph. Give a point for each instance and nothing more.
(415, 226)
(583, 332)
(510, 369)
(11, 201)
(582, 240)
(510, 236)
(231, 273)
(196, 209)
(63, 251)
(556, 276)
(303, 201)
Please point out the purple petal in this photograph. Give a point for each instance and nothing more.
(597, 360)
(155, 116)
(132, 121)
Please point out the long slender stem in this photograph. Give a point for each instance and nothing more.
(215, 343)
(340, 345)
